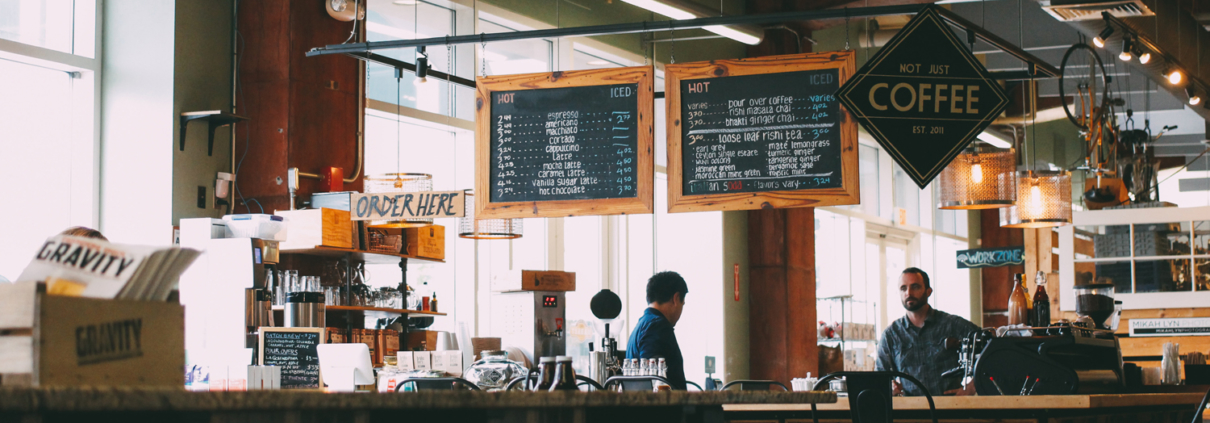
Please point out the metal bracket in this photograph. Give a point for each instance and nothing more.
(215, 118)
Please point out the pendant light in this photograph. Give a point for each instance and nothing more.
(979, 178)
(1043, 200)
(1043, 197)
(471, 228)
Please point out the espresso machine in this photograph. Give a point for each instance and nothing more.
(605, 362)
(1067, 360)
(232, 274)
(534, 321)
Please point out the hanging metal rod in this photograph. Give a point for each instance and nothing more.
(626, 28)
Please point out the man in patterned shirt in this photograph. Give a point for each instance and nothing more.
(914, 344)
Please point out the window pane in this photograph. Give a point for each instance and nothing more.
(1202, 278)
(1201, 237)
(868, 164)
(832, 268)
(36, 134)
(509, 57)
(1161, 239)
(1162, 276)
(1116, 273)
(42, 23)
(907, 197)
(1102, 241)
(396, 22)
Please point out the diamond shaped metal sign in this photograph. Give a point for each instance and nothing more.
(924, 97)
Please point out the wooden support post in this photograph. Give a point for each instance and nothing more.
(781, 291)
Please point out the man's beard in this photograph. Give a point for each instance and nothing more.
(919, 304)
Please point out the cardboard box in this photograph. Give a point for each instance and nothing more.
(427, 242)
(390, 344)
(437, 360)
(451, 361)
(316, 227)
(91, 342)
(418, 338)
(423, 360)
(534, 280)
(406, 361)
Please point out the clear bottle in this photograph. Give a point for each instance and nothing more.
(1018, 309)
(663, 368)
(546, 373)
(565, 375)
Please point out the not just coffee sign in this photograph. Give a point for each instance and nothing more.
(924, 97)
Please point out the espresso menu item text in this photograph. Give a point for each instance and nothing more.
(756, 133)
(573, 143)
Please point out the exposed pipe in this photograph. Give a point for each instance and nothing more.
(361, 115)
(797, 36)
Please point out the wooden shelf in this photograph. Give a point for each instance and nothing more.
(357, 255)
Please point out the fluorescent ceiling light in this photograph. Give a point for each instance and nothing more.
(683, 9)
(994, 140)
(663, 9)
(734, 34)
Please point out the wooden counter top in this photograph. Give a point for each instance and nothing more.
(150, 399)
(1034, 402)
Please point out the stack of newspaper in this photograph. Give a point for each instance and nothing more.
(87, 267)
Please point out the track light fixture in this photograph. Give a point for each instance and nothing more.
(1099, 40)
(1194, 99)
(1175, 76)
(422, 65)
(1125, 56)
(1144, 56)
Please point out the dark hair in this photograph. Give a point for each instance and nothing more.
(663, 285)
(84, 232)
(923, 275)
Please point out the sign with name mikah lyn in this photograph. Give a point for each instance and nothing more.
(1190, 326)
(407, 205)
(924, 97)
(991, 257)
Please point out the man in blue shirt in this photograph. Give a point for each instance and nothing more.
(653, 336)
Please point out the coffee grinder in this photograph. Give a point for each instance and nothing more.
(606, 362)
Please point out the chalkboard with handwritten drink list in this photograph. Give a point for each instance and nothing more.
(566, 143)
(295, 350)
(761, 133)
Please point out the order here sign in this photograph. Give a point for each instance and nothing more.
(407, 205)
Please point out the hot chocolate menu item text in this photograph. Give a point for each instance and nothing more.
(574, 143)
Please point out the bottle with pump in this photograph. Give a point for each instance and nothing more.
(1018, 309)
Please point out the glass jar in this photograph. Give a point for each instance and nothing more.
(1095, 301)
(494, 371)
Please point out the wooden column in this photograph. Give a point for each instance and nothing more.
(781, 294)
(998, 281)
(303, 110)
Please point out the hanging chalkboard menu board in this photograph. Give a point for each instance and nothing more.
(759, 133)
(564, 143)
(295, 350)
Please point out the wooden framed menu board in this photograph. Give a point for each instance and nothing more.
(765, 132)
(564, 143)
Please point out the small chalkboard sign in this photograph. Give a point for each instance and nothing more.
(564, 143)
(759, 133)
(295, 350)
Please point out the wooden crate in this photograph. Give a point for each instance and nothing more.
(74, 341)
(427, 242)
(311, 228)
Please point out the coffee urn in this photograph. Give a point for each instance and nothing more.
(605, 363)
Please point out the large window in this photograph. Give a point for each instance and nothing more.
(47, 112)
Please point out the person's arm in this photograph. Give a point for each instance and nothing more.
(886, 360)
